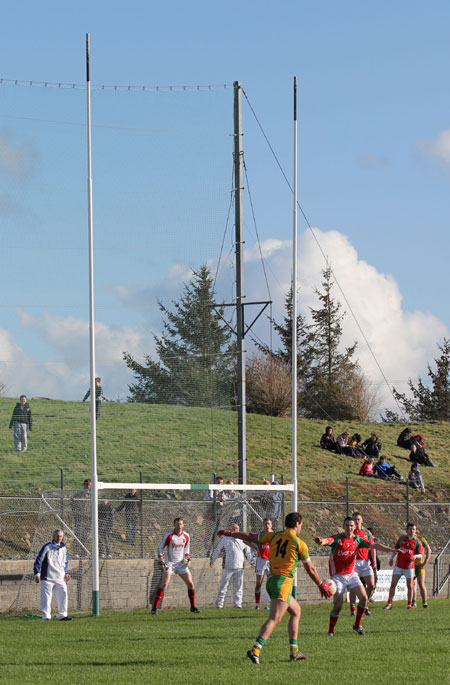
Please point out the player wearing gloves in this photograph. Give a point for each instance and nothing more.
(408, 548)
(286, 549)
(175, 545)
(344, 548)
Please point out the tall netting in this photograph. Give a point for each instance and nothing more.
(163, 193)
(130, 531)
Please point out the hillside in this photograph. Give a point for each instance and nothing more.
(176, 444)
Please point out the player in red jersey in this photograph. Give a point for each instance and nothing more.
(365, 563)
(342, 563)
(262, 563)
(407, 548)
(176, 545)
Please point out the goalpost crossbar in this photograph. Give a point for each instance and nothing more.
(289, 487)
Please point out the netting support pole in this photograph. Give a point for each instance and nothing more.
(294, 326)
(239, 243)
(94, 485)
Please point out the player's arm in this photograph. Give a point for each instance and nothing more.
(240, 535)
(312, 573)
(428, 551)
(323, 541)
(382, 548)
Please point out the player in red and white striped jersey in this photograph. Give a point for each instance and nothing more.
(262, 563)
(407, 548)
(175, 545)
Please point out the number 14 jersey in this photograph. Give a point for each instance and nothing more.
(285, 551)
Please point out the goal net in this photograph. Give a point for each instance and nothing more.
(132, 520)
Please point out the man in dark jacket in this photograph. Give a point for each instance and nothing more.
(106, 514)
(98, 396)
(20, 421)
(131, 505)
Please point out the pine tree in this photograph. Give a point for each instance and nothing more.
(430, 402)
(195, 365)
(333, 386)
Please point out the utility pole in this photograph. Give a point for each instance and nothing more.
(240, 329)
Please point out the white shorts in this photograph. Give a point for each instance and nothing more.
(364, 568)
(407, 572)
(262, 567)
(345, 581)
(178, 567)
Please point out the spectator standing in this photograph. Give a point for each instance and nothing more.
(235, 552)
(98, 396)
(81, 508)
(105, 527)
(415, 479)
(21, 420)
(217, 495)
(327, 441)
(131, 505)
(384, 470)
(50, 570)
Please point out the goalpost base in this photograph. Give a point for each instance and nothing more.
(95, 603)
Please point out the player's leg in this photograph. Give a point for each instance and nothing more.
(410, 587)
(159, 594)
(423, 588)
(294, 611)
(394, 581)
(362, 606)
(368, 580)
(186, 577)
(414, 591)
(238, 587)
(277, 587)
(46, 599)
(338, 601)
(258, 586)
(352, 601)
(60, 591)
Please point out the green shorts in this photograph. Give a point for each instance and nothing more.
(279, 587)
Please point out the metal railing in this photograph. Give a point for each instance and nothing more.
(441, 569)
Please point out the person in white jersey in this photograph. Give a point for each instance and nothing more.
(174, 557)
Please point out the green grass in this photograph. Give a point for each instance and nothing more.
(177, 444)
(177, 647)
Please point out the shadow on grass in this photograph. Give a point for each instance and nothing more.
(131, 662)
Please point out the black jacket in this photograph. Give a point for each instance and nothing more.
(22, 415)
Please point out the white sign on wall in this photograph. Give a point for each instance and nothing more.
(381, 593)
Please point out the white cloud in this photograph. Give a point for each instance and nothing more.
(402, 342)
(439, 147)
(17, 160)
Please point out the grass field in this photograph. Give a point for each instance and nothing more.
(179, 444)
(399, 647)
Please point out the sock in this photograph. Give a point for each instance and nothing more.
(390, 602)
(410, 604)
(293, 645)
(191, 593)
(352, 607)
(158, 597)
(359, 614)
(414, 602)
(257, 598)
(333, 621)
(259, 644)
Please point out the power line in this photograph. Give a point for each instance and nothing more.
(325, 257)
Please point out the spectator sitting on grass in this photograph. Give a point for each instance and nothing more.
(384, 470)
(327, 441)
(372, 446)
(367, 468)
(357, 449)
(415, 479)
(404, 439)
(342, 446)
(418, 453)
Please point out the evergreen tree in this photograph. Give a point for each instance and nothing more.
(333, 386)
(195, 365)
(430, 402)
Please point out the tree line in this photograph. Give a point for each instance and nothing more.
(195, 363)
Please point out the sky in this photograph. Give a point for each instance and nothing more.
(374, 175)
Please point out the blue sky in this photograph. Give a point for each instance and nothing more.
(374, 172)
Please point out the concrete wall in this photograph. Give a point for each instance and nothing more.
(130, 584)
